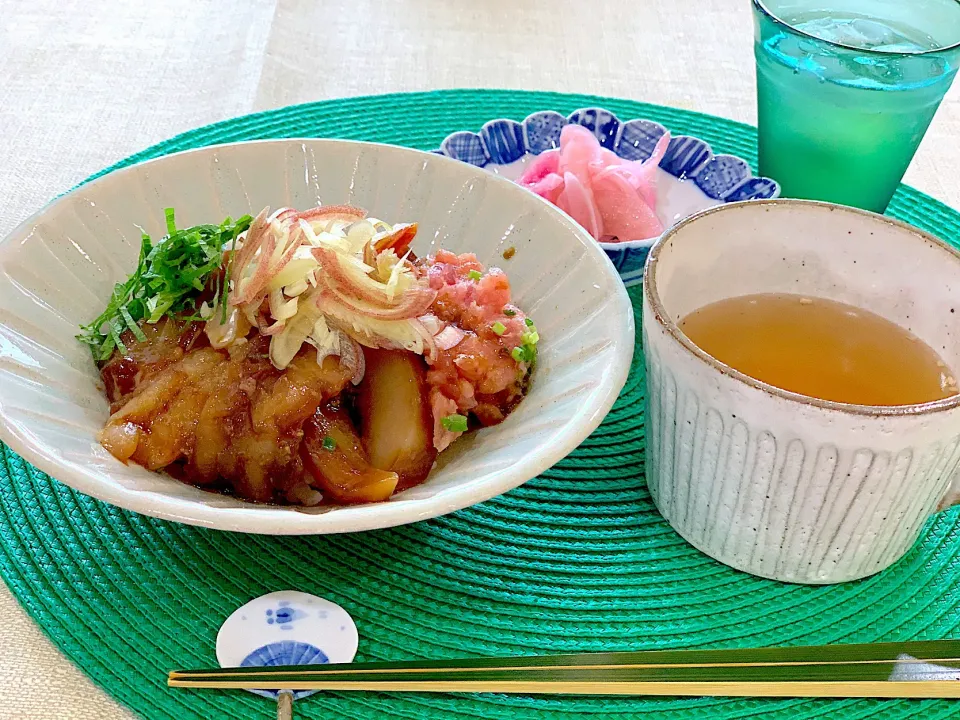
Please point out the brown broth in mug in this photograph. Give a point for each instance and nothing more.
(821, 348)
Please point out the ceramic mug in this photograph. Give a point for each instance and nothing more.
(775, 483)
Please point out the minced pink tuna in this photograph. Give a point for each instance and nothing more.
(480, 375)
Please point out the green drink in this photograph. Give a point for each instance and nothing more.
(846, 90)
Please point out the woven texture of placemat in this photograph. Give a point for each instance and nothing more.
(575, 560)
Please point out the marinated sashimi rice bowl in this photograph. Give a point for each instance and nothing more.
(305, 357)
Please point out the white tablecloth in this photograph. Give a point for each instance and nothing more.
(85, 83)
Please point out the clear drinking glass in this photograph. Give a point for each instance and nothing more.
(846, 90)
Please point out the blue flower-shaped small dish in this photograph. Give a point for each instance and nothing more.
(692, 178)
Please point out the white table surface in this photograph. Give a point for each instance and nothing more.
(84, 84)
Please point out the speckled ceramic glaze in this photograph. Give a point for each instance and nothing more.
(768, 481)
(59, 268)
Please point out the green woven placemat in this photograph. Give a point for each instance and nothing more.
(576, 560)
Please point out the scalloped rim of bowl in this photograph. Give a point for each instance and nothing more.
(293, 520)
(630, 244)
(627, 244)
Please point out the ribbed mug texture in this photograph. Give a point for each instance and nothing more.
(767, 481)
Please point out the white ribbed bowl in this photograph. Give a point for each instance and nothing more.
(59, 268)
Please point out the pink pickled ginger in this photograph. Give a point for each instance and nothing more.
(614, 199)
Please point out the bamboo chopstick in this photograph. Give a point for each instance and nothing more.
(914, 669)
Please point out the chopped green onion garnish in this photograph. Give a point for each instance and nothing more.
(329, 444)
(474, 275)
(527, 352)
(499, 328)
(509, 312)
(454, 423)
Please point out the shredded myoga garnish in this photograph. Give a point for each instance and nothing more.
(305, 357)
